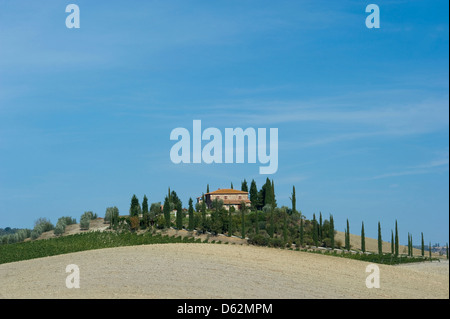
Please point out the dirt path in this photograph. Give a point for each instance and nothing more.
(215, 271)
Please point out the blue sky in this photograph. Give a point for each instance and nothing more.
(362, 114)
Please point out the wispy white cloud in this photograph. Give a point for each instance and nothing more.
(426, 168)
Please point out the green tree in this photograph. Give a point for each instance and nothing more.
(253, 194)
(216, 221)
(145, 205)
(269, 209)
(314, 231)
(203, 209)
(320, 227)
(207, 188)
(243, 211)
(392, 242)
(347, 237)
(244, 186)
(411, 244)
(135, 208)
(145, 213)
(396, 239)
(380, 241)
(331, 234)
(85, 220)
(179, 219)
(429, 250)
(363, 239)
(232, 185)
(302, 232)
(422, 246)
(191, 215)
(166, 211)
(293, 200)
(267, 192)
(109, 214)
(230, 221)
(273, 200)
(285, 228)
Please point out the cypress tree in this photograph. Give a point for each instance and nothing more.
(267, 192)
(409, 245)
(179, 215)
(166, 211)
(244, 186)
(429, 250)
(320, 227)
(134, 206)
(232, 185)
(243, 209)
(203, 212)
(392, 242)
(314, 230)
(347, 238)
(331, 235)
(396, 239)
(301, 235)
(145, 214)
(191, 215)
(230, 221)
(363, 239)
(253, 194)
(380, 242)
(207, 188)
(273, 200)
(423, 246)
(145, 205)
(293, 200)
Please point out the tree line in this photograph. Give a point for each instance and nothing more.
(262, 223)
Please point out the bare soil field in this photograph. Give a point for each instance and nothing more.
(216, 271)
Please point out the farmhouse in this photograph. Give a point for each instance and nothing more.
(230, 198)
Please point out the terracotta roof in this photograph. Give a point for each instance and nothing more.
(227, 191)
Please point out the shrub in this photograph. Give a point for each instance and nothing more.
(35, 234)
(259, 240)
(90, 214)
(134, 223)
(110, 214)
(85, 220)
(275, 242)
(59, 229)
(327, 242)
(43, 224)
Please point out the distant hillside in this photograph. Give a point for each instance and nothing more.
(8, 231)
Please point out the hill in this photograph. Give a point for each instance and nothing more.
(216, 271)
(355, 240)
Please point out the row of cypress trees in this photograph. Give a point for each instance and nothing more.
(394, 241)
